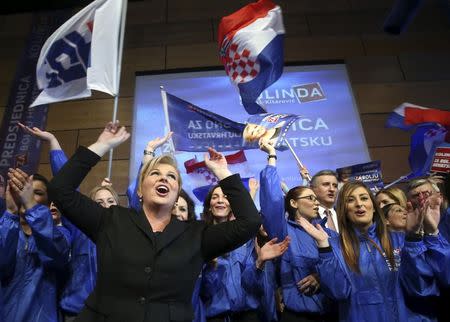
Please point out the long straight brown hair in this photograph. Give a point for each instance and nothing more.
(348, 237)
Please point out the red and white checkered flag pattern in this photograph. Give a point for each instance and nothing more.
(208, 175)
(240, 66)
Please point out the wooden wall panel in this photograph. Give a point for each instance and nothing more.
(97, 174)
(383, 98)
(426, 66)
(346, 23)
(383, 44)
(196, 55)
(182, 10)
(87, 137)
(358, 5)
(313, 6)
(378, 136)
(169, 33)
(86, 114)
(321, 48)
(374, 69)
(394, 161)
(68, 141)
(145, 12)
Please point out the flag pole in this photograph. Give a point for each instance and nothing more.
(397, 181)
(119, 70)
(296, 157)
(166, 115)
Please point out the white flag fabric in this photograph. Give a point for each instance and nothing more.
(81, 55)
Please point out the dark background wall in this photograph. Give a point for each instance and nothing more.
(384, 70)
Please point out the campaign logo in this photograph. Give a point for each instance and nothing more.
(309, 92)
(68, 57)
(274, 118)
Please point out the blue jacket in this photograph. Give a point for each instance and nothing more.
(30, 294)
(224, 289)
(78, 280)
(263, 283)
(302, 256)
(444, 225)
(197, 304)
(375, 294)
(9, 237)
(438, 256)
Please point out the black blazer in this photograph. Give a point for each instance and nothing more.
(142, 277)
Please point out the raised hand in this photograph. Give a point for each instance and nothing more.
(216, 162)
(42, 135)
(253, 185)
(432, 213)
(266, 146)
(152, 145)
(106, 182)
(12, 200)
(414, 218)
(272, 249)
(22, 185)
(112, 136)
(304, 173)
(309, 285)
(316, 232)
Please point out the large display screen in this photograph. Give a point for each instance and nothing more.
(327, 136)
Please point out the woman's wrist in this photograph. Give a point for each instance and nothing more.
(222, 173)
(99, 148)
(323, 243)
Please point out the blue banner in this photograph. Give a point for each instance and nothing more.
(369, 173)
(196, 129)
(18, 149)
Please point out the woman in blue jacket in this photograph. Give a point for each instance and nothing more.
(78, 279)
(232, 283)
(298, 275)
(30, 293)
(361, 268)
(9, 236)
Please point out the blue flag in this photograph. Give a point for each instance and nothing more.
(196, 129)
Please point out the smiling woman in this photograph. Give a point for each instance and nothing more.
(148, 261)
(367, 269)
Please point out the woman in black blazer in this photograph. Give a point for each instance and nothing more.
(148, 261)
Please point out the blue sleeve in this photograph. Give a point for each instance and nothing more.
(438, 256)
(2, 206)
(416, 276)
(133, 198)
(334, 282)
(57, 159)
(52, 242)
(444, 225)
(252, 277)
(271, 199)
(212, 278)
(9, 237)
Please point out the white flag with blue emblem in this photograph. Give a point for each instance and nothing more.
(81, 55)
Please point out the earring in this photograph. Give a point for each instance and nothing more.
(140, 199)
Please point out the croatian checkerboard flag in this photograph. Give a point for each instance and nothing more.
(201, 179)
(408, 115)
(423, 143)
(81, 55)
(251, 49)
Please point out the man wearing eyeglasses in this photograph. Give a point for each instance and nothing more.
(325, 185)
